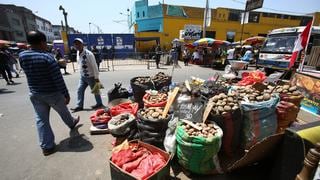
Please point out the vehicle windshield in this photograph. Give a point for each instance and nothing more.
(279, 44)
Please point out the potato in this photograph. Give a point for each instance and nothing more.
(235, 108)
(230, 99)
(293, 88)
(266, 96)
(296, 93)
(259, 98)
(279, 90)
(155, 115)
(220, 109)
(227, 108)
(286, 87)
(215, 98)
(231, 104)
(223, 103)
(285, 91)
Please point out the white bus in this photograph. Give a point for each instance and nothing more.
(277, 49)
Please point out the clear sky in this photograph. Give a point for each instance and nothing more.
(106, 13)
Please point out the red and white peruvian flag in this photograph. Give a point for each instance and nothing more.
(300, 43)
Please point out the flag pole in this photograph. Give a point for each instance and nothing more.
(306, 48)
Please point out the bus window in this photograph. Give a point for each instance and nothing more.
(284, 44)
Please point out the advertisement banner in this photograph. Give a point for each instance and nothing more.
(192, 31)
(310, 88)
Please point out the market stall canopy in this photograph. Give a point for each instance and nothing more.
(176, 40)
(254, 40)
(189, 45)
(22, 45)
(235, 43)
(203, 42)
(4, 43)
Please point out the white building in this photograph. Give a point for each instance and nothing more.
(45, 26)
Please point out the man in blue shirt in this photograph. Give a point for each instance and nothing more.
(47, 89)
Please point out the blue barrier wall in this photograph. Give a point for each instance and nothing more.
(123, 43)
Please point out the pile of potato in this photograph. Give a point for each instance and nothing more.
(159, 97)
(122, 119)
(160, 77)
(154, 113)
(223, 103)
(206, 130)
(252, 94)
(142, 80)
(284, 89)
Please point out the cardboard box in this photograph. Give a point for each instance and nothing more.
(164, 173)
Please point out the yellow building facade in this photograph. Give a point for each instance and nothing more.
(223, 21)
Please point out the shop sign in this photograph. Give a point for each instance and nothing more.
(192, 31)
(310, 89)
(253, 4)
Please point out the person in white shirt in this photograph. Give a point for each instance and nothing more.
(230, 53)
(195, 56)
(89, 75)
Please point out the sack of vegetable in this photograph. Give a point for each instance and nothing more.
(155, 99)
(139, 87)
(120, 125)
(259, 120)
(152, 126)
(197, 147)
(126, 107)
(100, 118)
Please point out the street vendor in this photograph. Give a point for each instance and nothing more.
(248, 55)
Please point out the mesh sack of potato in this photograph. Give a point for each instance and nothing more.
(197, 149)
(121, 124)
(259, 120)
(155, 100)
(290, 94)
(151, 126)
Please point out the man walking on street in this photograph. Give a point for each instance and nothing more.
(5, 67)
(89, 75)
(47, 89)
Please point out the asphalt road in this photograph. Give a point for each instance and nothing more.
(80, 155)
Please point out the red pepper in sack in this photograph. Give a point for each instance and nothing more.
(100, 117)
(125, 108)
(147, 103)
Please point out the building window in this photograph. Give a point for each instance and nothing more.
(295, 18)
(270, 15)
(230, 36)
(254, 17)
(19, 33)
(143, 14)
(234, 16)
(16, 21)
(285, 16)
(305, 20)
(138, 15)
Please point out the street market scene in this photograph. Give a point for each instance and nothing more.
(177, 90)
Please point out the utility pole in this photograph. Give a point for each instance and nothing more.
(205, 19)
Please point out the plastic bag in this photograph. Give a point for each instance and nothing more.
(169, 142)
(259, 120)
(252, 77)
(117, 92)
(123, 128)
(96, 88)
(100, 118)
(124, 108)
